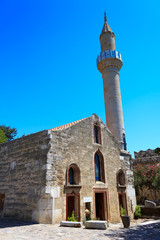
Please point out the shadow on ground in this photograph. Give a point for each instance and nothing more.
(5, 223)
(147, 232)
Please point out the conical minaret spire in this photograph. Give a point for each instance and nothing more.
(105, 17)
(107, 37)
(109, 63)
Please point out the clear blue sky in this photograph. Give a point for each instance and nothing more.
(48, 70)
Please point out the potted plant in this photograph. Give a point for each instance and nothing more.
(137, 212)
(125, 218)
(73, 218)
(71, 222)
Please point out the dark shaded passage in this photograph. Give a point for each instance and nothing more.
(146, 232)
(5, 223)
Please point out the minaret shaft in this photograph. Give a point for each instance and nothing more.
(113, 104)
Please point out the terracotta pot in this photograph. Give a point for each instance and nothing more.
(125, 221)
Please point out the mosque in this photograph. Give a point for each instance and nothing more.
(46, 176)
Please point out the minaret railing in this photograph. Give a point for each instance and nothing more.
(109, 54)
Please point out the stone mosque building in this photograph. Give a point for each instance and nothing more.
(84, 164)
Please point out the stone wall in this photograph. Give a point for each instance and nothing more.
(23, 175)
(148, 194)
(148, 156)
(150, 212)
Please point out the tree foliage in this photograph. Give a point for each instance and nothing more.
(157, 151)
(9, 132)
(3, 137)
(146, 175)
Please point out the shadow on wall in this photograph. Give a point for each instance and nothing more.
(147, 232)
(8, 223)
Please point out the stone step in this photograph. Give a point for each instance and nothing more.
(70, 224)
(94, 224)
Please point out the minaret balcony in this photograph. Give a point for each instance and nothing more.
(109, 54)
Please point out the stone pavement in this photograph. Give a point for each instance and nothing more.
(16, 230)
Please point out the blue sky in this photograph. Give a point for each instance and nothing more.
(48, 70)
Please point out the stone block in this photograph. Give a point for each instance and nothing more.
(70, 224)
(94, 224)
(149, 204)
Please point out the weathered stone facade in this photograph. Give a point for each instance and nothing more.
(35, 170)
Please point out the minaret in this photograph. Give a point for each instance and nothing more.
(109, 63)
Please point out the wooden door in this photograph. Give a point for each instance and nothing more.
(100, 214)
(70, 205)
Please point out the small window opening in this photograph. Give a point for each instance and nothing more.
(124, 141)
(97, 134)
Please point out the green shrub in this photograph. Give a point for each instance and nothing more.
(137, 212)
(123, 211)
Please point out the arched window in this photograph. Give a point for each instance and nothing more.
(121, 178)
(73, 174)
(99, 167)
(97, 133)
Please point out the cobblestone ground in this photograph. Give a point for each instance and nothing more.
(15, 230)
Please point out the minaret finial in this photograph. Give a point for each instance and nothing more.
(105, 18)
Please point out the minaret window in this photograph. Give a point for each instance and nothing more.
(99, 167)
(97, 133)
(124, 141)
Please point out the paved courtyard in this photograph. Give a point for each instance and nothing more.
(16, 230)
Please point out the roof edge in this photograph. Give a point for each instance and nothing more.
(65, 126)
